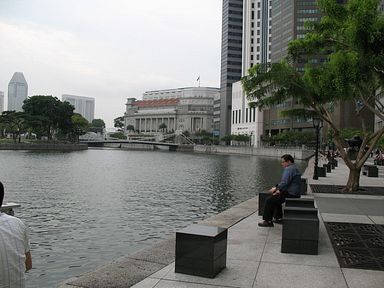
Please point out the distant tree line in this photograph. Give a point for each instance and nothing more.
(48, 117)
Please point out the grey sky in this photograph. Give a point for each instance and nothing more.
(109, 49)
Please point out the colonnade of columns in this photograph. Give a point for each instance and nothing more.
(152, 124)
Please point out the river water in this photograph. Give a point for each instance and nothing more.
(89, 207)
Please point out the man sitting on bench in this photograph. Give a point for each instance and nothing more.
(289, 187)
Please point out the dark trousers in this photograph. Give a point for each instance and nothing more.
(273, 206)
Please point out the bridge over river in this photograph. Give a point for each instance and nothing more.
(100, 143)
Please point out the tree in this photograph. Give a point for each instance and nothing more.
(14, 123)
(79, 126)
(352, 37)
(97, 125)
(130, 128)
(46, 114)
(119, 123)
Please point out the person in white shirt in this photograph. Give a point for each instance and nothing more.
(15, 254)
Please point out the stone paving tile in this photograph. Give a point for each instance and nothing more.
(274, 234)
(147, 283)
(346, 218)
(238, 273)
(369, 206)
(173, 284)
(377, 219)
(255, 235)
(357, 278)
(276, 275)
(342, 206)
(249, 252)
(161, 273)
(325, 258)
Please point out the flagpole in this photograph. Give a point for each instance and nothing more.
(198, 80)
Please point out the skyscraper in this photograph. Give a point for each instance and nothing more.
(85, 106)
(256, 45)
(231, 58)
(1, 101)
(288, 23)
(17, 92)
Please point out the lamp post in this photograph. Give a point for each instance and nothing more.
(317, 124)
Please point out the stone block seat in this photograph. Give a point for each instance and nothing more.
(201, 250)
(300, 202)
(370, 171)
(300, 230)
(321, 171)
(328, 167)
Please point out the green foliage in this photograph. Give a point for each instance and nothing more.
(13, 122)
(79, 126)
(130, 128)
(293, 137)
(241, 138)
(234, 137)
(119, 135)
(119, 122)
(97, 126)
(45, 114)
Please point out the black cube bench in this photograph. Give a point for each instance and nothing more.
(370, 171)
(300, 231)
(300, 202)
(328, 167)
(201, 250)
(334, 162)
(321, 171)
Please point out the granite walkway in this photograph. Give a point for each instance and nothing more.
(253, 253)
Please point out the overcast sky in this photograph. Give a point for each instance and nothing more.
(109, 49)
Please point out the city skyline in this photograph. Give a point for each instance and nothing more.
(111, 51)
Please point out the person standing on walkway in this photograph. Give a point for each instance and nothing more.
(15, 255)
(289, 187)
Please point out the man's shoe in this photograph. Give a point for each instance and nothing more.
(278, 221)
(265, 224)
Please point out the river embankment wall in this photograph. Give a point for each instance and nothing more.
(297, 153)
(44, 146)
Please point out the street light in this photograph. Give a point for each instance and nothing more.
(317, 124)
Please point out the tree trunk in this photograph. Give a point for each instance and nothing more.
(353, 180)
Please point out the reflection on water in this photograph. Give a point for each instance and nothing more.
(89, 207)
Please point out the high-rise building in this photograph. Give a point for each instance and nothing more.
(288, 23)
(256, 47)
(1, 101)
(85, 106)
(231, 58)
(17, 92)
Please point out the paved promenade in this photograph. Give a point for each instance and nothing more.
(253, 253)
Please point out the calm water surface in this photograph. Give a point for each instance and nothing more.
(90, 207)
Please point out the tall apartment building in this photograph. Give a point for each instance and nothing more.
(231, 58)
(256, 47)
(1, 101)
(85, 106)
(17, 92)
